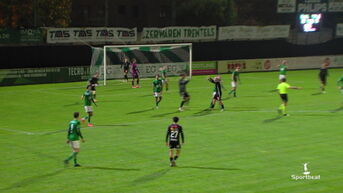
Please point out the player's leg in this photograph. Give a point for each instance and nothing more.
(171, 156)
(221, 104)
(138, 86)
(133, 81)
(166, 84)
(90, 114)
(213, 103)
(178, 152)
(75, 145)
(125, 75)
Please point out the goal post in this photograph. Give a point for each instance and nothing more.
(151, 58)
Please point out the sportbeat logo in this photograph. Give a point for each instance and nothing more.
(306, 175)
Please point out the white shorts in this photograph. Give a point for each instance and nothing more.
(88, 109)
(281, 76)
(233, 84)
(157, 94)
(75, 144)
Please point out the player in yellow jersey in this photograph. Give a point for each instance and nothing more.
(282, 88)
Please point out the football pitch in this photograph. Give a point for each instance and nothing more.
(245, 149)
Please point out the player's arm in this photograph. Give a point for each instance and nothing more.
(167, 136)
(211, 80)
(182, 136)
(68, 133)
(79, 133)
(294, 87)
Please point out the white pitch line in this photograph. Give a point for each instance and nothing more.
(17, 131)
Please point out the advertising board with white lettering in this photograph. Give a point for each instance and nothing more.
(179, 34)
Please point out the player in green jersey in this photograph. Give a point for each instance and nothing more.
(73, 138)
(235, 78)
(340, 85)
(87, 97)
(282, 88)
(283, 70)
(163, 71)
(157, 89)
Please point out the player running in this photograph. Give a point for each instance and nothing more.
(135, 73)
(88, 100)
(157, 89)
(183, 93)
(283, 69)
(73, 138)
(282, 88)
(323, 74)
(217, 94)
(93, 82)
(340, 85)
(173, 140)
(164, 79)
(125, 66)
(235, 78)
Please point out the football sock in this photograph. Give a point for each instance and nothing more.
(182, 103)
(133, 83)
(75, 157)
(94, 96)
(156, 101)
(170, 159)
(231, 91)
(89, 119)
(138, 81)
(175, 158)
(234, 93)
(125, 76)
(222, 106)
(71, 156)
(282, 108)
(212, 105)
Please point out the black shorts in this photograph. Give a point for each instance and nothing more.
(217, 97)
(284, 97)
(92, 87)
(126, 70)
(135, 76)
(174, 145)
(322, 78)
(184, 95)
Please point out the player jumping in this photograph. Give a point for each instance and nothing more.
(157, 89)
(183, 93)
(283, 69)
(135, 73)
(173, 140)
(93, 82)
(217, 94)
(126, 66)
(73, 138)
(282, 87)
(235, 78)
(323, 74)
(88, 100)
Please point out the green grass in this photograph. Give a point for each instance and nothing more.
(245, 149)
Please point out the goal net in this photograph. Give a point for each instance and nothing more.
(151, 59)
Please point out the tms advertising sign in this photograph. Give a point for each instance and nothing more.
(100, 35)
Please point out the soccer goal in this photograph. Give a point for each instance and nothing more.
(151, 59)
